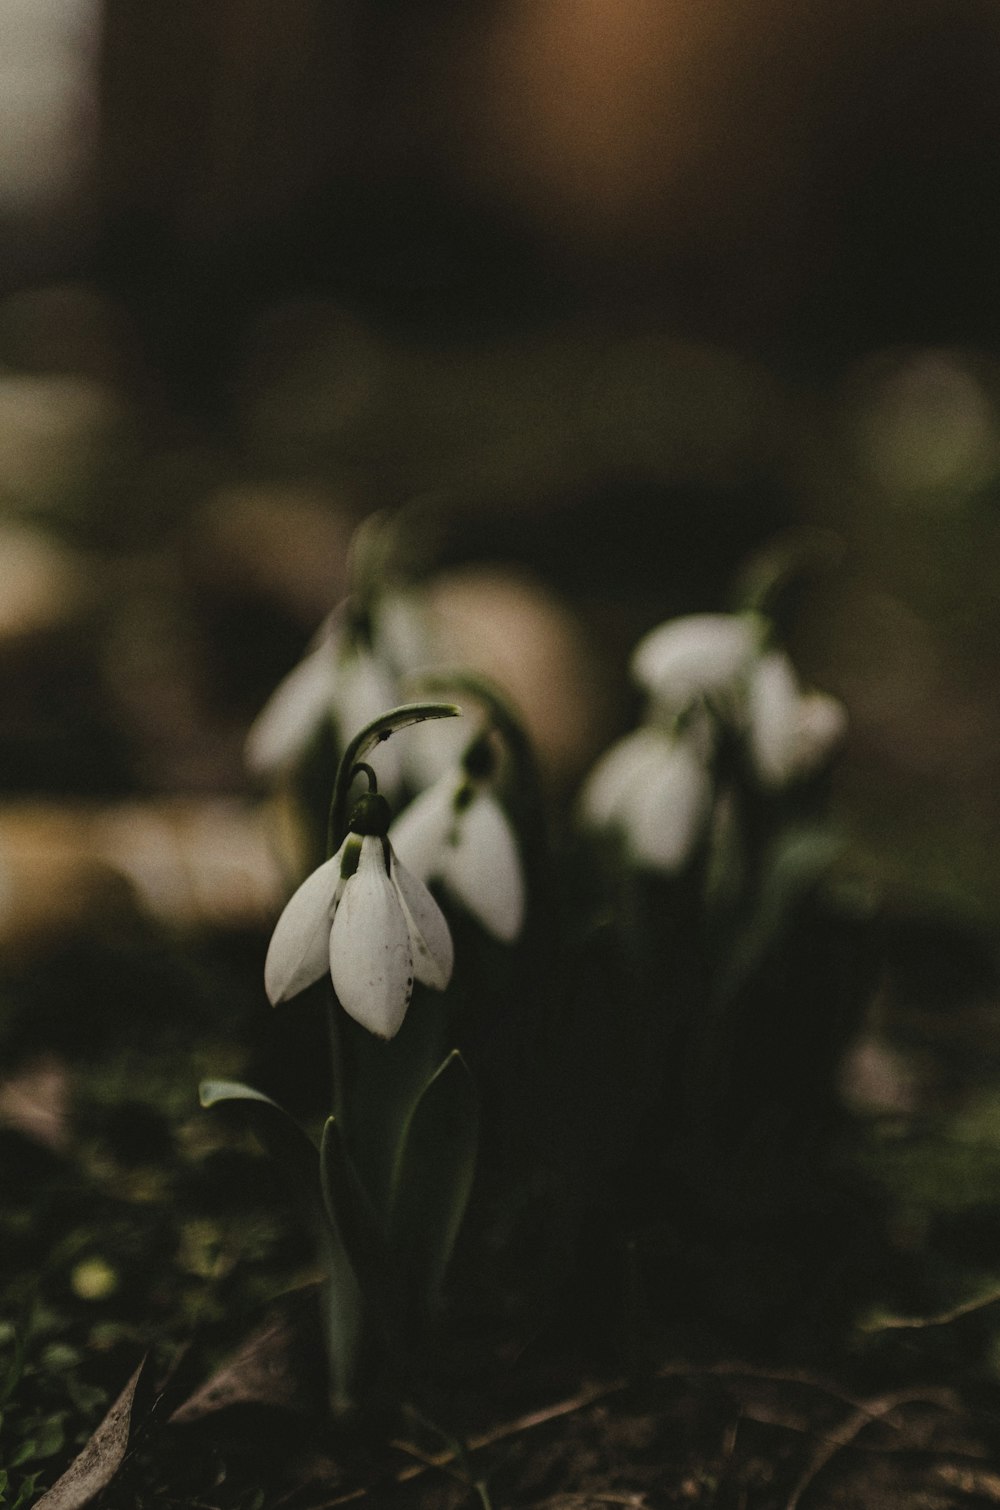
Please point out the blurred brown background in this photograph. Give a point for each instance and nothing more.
(768, 171)
(627, 286)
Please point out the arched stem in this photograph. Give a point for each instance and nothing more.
(379, 730)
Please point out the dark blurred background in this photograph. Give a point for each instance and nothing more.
(626, 287)
(764, 173)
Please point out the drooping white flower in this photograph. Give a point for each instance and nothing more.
(402, 631)
(365, 918)
(456, 831)
(655, 788)
(704, 655)
(434, 748)
(340, 677)
(296, 708)
(790, 732)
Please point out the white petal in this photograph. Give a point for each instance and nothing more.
(401, 631)
(483, 868)
(435, 747)
(822, 725)
(774, 703)
(365, 690)
(667, 811)
(695, 656)
(420, 833)
(300, 944)
(430, 940)
(370, 959)
(607, 789)
(289, 719)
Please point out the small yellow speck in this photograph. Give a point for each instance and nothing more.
(93, 1279)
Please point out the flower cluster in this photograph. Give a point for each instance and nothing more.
(705, 674)
(366, 914)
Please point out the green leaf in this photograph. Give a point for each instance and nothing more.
(26, 1491)
(433, 1181)
(353, 1220)
(351, 1214)
(14, 1369)
(797, 864)
(276, 1131)
(50, 1438)
(342, 1311)
(286, 1142)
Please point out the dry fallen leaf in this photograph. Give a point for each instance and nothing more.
(92, 1470)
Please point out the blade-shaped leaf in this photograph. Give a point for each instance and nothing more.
(276, 1131)
(351, 1214)
(433, 1180)
(286, 1142)
(355, 1224)
(11, 1375)
(796, 866)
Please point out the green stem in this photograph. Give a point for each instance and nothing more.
(379, 730)
(337, 1056)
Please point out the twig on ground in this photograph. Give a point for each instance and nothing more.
(866, 1414)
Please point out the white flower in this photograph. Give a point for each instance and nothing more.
(367, 689)
(790, 732)
(702, 655)
(402, 631)
(435, 747)
(367, 920)
(339, 678)
(655, 788)
(294, 711)
(457, 831)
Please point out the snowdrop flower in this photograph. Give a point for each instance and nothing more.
(367, 920)
(340, 677)
(296, 707)
(457, 831)
(654, 786)
(790, 732)
(704, 655)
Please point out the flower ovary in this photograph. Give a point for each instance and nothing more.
(371, 815)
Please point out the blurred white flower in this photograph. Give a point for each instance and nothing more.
(655, 788)
(339, 678)
(435, 747)
(298, 705)
(402, 631)
(457, 831)
(367, 920)
(790, 732)
(704, 655)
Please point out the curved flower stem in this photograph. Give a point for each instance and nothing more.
(379, 730)
(525, 780)
(801, 553)
(364, 769)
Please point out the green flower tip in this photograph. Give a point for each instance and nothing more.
(371, 815)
